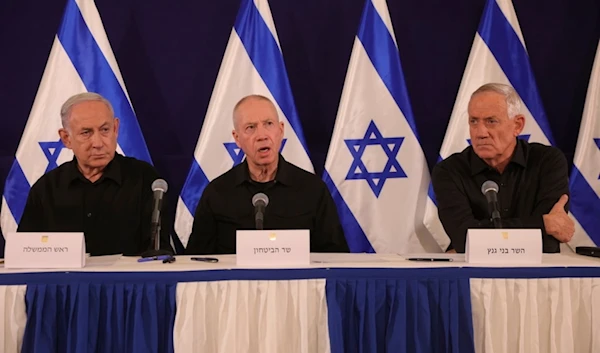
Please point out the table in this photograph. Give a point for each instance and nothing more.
(340, 303)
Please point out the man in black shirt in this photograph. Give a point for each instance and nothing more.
(297, 199)
(105, 195)
(532, 178)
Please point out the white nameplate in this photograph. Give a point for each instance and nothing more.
(504, 246)
(44, 250)
(273, 248)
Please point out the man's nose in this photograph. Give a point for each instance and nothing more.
(261, 132)
(480, 131)
(97, 140)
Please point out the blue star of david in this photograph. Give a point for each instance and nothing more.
(522, 137)
(237, 154)
(597, 144)
(52, 151)
(390, 145)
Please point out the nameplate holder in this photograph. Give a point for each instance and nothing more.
(273, 248)
(44, 250)
(504, 246)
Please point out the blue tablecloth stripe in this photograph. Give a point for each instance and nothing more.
(100, 317)
(399, 315)
(8, 279)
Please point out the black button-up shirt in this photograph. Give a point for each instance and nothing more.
(114, 212)
(533, 181)
(297, 200)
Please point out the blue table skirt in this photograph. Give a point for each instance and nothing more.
(399, 315)
(370, 310)
(100, 317)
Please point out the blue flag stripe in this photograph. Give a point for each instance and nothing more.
(430, 191)
(355, 235)
(382, 50)
(97, 76)
(503, 42)
(431, 194)
(16, 190)
(268, 61)
(194, 185)
(585, 205)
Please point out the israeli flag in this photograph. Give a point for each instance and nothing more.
(252, 64)
(585, 176)
(498, 55)
(80, 60)
(375, 168)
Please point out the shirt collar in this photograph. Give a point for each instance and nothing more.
(112, 171)
(283, 174)
(519, 157)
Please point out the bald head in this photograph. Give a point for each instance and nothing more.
(248, 101)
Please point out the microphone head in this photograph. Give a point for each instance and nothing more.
(260, 197)
(160, 185)
(489, 186)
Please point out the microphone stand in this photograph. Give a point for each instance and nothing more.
(496, 219)
(155, 249)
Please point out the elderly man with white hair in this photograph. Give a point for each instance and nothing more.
(532, 178)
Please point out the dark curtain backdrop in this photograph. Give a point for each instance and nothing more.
(169, 53)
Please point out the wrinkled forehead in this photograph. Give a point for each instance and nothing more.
(91, 114)
(255, 111)
(486, 104)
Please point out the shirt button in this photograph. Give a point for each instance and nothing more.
(506, 210)
(89, 215)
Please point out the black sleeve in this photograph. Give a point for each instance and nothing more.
(329, 234)
(32, 219)
(455, 210)
(553, 183)
(203, 239)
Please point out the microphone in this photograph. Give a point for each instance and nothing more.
(259, 201)
(159, 188)
(490, 190)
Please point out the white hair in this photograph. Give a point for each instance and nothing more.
(65, 110)
(513, 101)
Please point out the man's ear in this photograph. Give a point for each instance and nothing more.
(65, 137)
(236, 138)
(117, 124)
(519, 124)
